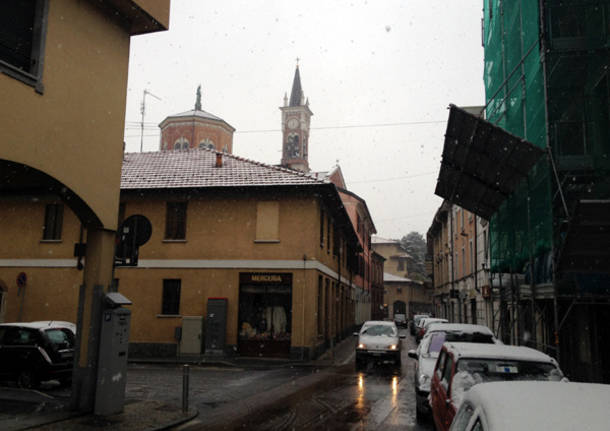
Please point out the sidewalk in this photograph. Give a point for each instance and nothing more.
(30, 409)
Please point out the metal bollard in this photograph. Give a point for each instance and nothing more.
(185, 388)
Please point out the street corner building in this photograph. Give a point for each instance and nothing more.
(220, 255)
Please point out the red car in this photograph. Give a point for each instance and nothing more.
(463, 365)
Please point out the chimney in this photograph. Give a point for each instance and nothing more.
(219, 160)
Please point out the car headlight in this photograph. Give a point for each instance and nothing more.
(361, 346)
(393, 347)
(424, 382)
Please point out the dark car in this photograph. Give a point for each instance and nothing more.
(400, 320)
(34, 352)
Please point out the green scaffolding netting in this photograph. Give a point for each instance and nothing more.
(577, 60)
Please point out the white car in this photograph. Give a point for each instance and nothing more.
(378, 340)
(429, 348)
(509, 406)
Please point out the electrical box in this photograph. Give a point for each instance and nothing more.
(190, 340)
(216, 326)
(112, 367)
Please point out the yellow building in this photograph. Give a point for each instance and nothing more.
(63, 85)
(273, 242)
(397, 258)
(401, 295)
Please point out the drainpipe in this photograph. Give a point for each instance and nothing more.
(303, 306)
(452, 294)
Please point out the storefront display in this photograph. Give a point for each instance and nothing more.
(265, 307)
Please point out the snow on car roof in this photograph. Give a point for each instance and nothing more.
(43, 324)
(459, 327)
(529, 405)
(428, 320)
(378, 322)
(497, 351)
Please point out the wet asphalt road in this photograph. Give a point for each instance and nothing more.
(378, 398)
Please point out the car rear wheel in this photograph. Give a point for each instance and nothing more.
(28, 379)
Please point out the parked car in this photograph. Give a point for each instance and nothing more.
(36, 351)
(463, 365)
(509, 406)
(428, 350)
(424, 323)
(379, 341)
(400, 320)
(415, 322)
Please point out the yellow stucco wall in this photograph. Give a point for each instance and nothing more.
(390, 264)
(74, 131)
(21, 230)
(219, 227)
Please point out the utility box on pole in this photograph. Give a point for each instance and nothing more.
(112, 365)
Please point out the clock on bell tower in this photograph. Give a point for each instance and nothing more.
(296, 117)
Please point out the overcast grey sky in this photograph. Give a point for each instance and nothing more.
(365, 66)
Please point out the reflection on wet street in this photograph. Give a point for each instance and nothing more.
(381, 397)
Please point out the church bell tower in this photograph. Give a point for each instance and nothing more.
(296, 117)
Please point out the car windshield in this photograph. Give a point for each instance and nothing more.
(438, 338)
(474, 371)
(60, 338)
(380, 330)
(488, 370)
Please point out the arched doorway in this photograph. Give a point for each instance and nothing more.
(400, 307)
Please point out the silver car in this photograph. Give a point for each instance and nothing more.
(379, 341)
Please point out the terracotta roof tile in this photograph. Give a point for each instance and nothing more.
(196, 168)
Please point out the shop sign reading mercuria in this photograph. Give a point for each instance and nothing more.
(265, 278)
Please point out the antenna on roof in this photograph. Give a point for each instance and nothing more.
(143, 110)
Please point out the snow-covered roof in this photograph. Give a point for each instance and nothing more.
(379, 240)
(459, 327)
(196, 168)
(557, 406)
(497, 351)
(387, 277)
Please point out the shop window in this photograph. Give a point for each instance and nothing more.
(53, 222)
(268, 221)
(171, 297)
(265, 314)
(22, 37)
(175, 221)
